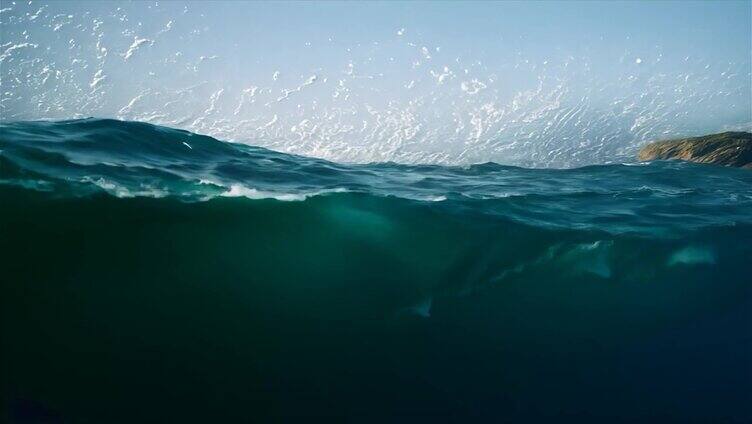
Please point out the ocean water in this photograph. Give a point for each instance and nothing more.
(155, 275)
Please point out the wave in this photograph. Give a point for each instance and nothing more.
(128, 159)
(253, 280)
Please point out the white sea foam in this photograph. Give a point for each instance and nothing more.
(442, 76)
(286, 93)
(15, 47)
(692, 255)
(97, 80)
(137, 43)
(121, 191)
(239, 190)
(472, 87)
(593, 258)
(583, 258)
(426, 198)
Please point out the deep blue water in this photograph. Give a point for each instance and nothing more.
(150, 274)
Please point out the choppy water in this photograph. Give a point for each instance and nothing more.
(152, 274)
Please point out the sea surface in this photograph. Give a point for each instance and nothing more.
(155, 275)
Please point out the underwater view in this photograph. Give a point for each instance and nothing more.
(376, 212)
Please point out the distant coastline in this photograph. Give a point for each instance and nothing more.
(727, 149)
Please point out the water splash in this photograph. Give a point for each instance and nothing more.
(399, 98)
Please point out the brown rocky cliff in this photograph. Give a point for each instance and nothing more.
(728, 149)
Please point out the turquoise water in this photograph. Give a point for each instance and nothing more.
(152, 274)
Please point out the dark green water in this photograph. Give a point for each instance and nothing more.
(144, 280)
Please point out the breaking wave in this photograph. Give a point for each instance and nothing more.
(242, 281)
